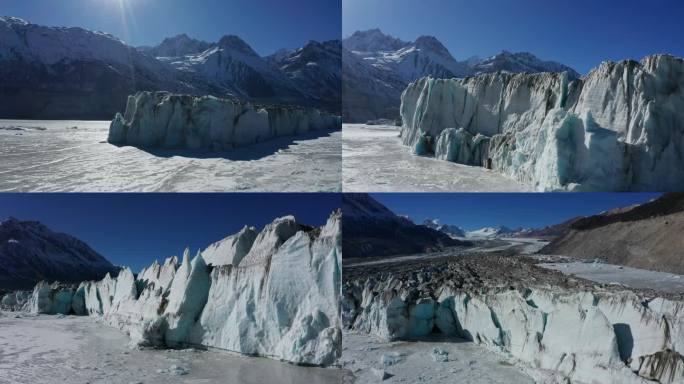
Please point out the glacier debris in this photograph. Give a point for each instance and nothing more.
(559, 333)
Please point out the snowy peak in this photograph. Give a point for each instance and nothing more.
(431, 43)
(9, 20)
(373, 40)
(30, 252)
(235, 43)
(372, 230)
(491, 232)
(176, 46)
(521, 62)
(451, 230)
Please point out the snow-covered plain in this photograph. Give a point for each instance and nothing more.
(424, 362)
(73, 156)
(373, 159)
(56, 349)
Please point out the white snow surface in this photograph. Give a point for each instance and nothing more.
(164, 120)
(414, 361)
(619, 128)
(373, 160)
(73, 156)
(72, 349)
(279, 301)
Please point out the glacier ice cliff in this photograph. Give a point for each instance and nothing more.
(274, 293)
(559, 331)
(619, 128)
(164, 120)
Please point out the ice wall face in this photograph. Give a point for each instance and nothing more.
(163, 120)
(559, 335)
(619, 128)
(15, 301)
(273, 294)
(282, 299)
(52, 299)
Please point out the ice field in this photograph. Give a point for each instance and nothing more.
(73, 156)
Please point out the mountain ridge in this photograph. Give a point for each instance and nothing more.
(31, 252)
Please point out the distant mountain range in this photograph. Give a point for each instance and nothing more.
(31, 252)
(378, 67)
(372, 230)
(74, 73)
(500, 231)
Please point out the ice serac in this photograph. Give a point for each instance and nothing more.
(164, 120)
(272, 294)
(619, 128)
(232, 249)
(55, 298)
(559, 335)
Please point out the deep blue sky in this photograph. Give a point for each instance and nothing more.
(477, 210)
(135, 229)
(267, 25)
(579, 33)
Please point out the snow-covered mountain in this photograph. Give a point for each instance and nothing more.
(74, 73)
(315, 69)
(492, 232)
(372, 230)
(519, 63)
(31, 252)
(378, 67)
(56, 72)
(451, 230)
(177, 46)
(232, 65)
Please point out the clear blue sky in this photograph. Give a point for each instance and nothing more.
(477, 210)
(267, 25)
(578, 33)
(135, 229)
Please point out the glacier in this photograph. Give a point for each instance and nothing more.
(620, 128)
(562, 332)
(274, 294)
(165, 120)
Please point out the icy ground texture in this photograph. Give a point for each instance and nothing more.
(557, 329)
(619, 128)
(56, 349)
(164, 120)
(65, 156)
(273, 295)
(434, 361)
(619, 275)
(373, 159)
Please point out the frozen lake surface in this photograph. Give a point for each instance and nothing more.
(456, 361)
(66, 156)
(78, 350)
(374, 160)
